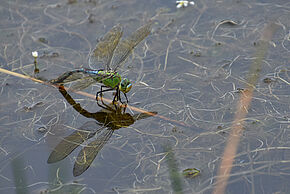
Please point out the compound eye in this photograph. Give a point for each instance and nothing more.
(129, 86)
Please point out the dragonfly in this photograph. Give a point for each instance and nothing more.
(105, 122)
(111, 53)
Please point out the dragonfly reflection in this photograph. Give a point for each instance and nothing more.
(110, 54)
(107, 120)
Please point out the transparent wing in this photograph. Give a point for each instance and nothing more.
(126, 46)
(89, 152)
(81, 79)
(71, 142)
(89, 80)
(83, 83)
(101, 56)
(68, 77)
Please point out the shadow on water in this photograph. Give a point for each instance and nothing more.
(107, 120)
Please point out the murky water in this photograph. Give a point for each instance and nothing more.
(189, 69)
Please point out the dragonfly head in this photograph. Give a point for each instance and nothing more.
(125, 85)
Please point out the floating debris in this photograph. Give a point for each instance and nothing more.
(240, 90)
(33, 106)
(35, 55)
(190, 172)
(229, 22)
(42, 129)
(43, 40)
(182, 4)
(267, 80)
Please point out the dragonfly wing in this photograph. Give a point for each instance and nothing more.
(71, 142)
(126, 46)
(89, 152)
(68, 76)
(83, 83)
(89, 80)
(104, 50)
(82, 79)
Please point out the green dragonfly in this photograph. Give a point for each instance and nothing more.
(105, 122)
(111, 53)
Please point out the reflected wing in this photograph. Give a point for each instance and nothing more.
(71, 142)
(89, 152)
(104, 50)
(126, 46)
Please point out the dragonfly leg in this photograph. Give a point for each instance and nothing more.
(105, 107)
(127, 101)
(119, 98)
(116, 96)
(101, 94)
(126, 98)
